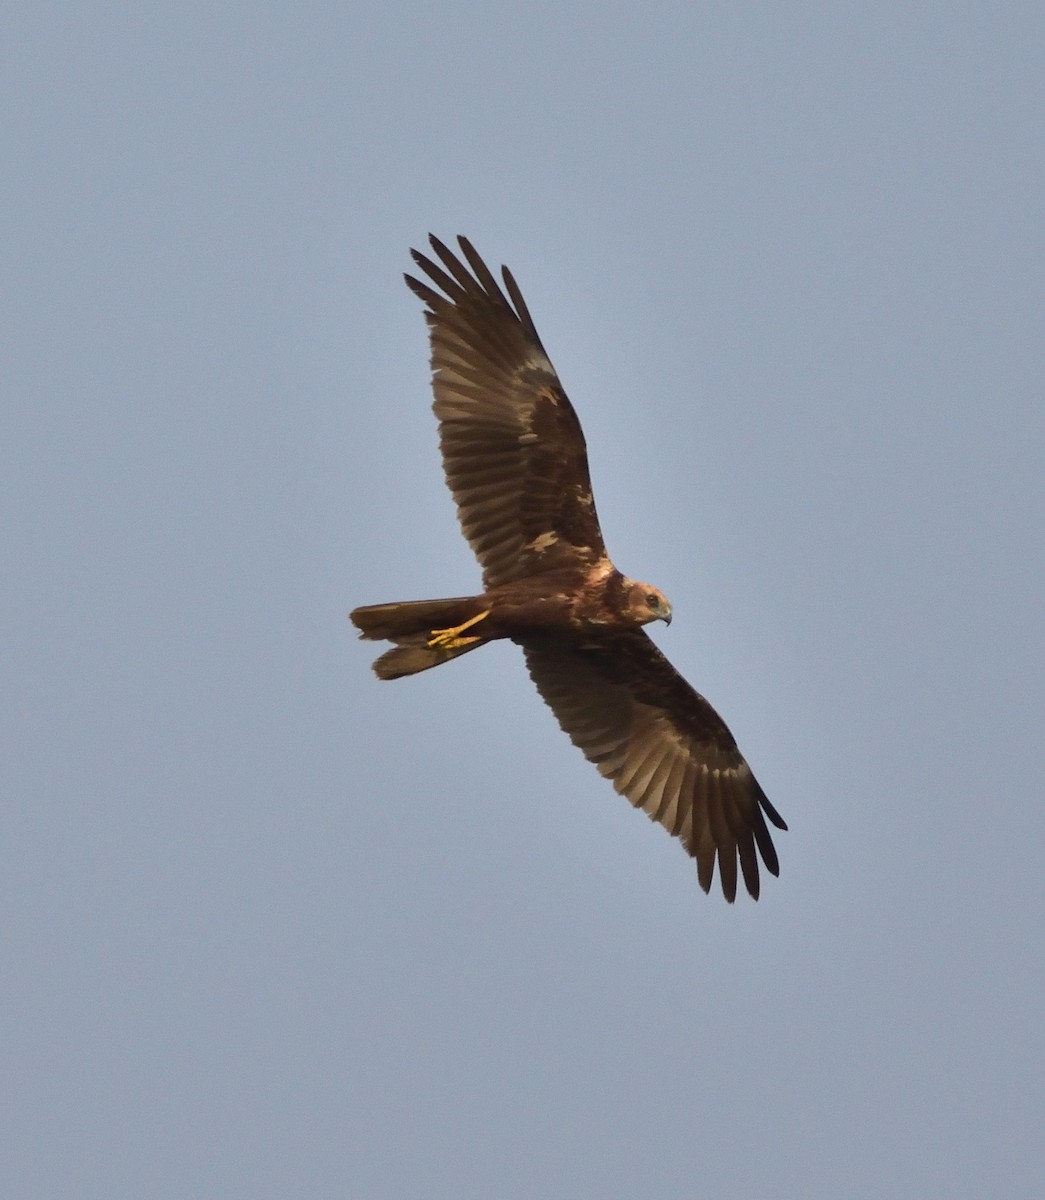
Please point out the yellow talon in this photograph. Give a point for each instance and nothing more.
(450, 639)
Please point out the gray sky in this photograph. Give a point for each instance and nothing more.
(274, 929)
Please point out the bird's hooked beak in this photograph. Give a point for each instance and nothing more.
(662, 609)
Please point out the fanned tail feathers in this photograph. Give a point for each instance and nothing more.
(410, 624)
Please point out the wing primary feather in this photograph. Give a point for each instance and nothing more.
(454, 265)
(765, 842)
(705, 857)
(482, 271)
(723, 837)
(748, 863)
(520, 305)
(439, 277)
(770, 811)
(425, 293)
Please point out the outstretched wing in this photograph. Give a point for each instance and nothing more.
(664, 747)
(513, 450)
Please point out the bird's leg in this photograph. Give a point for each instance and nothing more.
(450, 639)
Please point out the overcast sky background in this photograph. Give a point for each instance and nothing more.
(271, 928)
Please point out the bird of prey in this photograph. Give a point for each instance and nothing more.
(516, 462)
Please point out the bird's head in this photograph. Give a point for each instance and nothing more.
(647, 603)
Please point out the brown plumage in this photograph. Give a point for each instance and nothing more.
(516, 463)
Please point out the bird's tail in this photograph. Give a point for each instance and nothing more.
(426, 633)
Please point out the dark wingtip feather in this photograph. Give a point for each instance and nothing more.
(705, 856)
(770, 811)
(749, 865)
(520, 305)
(438, 246)
(480, 269)
(423, 292)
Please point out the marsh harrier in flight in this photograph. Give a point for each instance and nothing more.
(516, 463)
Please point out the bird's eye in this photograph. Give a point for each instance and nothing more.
(653, 600)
